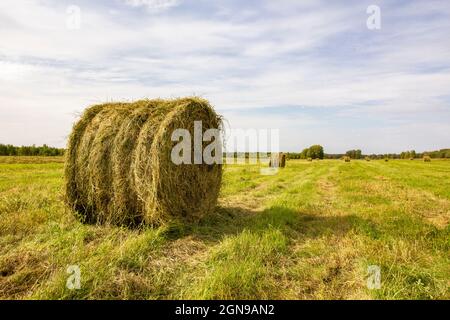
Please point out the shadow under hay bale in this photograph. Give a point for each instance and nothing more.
(118, 163)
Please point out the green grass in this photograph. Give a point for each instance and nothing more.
(309, 232)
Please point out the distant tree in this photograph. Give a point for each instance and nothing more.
(315, 152)
(10, 150)
(3, 150)
(292, 155)
(354, 154)
(403, 155)
(304, 154)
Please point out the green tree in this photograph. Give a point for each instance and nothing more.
(316, 152)
(3, 150)
(354, 154)
(45, 150)
(304, 153)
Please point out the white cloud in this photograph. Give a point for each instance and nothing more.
(278, 54)
(153, 5)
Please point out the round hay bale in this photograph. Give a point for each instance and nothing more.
(426, 158)
(118, 163)
(346, 158)
(282, 160)
(277, 160)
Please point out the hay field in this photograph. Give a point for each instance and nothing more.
(309, 232)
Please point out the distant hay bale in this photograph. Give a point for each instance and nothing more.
(411, 158)
(283, 160)
(426, 158)
(386, 159)
(118, 163)
(367, 158)
(310, 159)
(346, 158)
(277, 160)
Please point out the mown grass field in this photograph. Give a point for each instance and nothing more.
(309, 232)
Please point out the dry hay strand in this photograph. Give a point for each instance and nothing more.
(426, 158)
(277, 160)
(119, 169)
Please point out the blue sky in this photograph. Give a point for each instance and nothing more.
(309, 68)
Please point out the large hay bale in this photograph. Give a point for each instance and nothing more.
(119, 169)
(426, 158)
(346, 158)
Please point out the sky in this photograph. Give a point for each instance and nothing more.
(312, 69)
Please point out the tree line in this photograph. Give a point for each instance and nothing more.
(316, 152)
(44, 150)
(442, 153)
(313, 152)
(410, 154)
